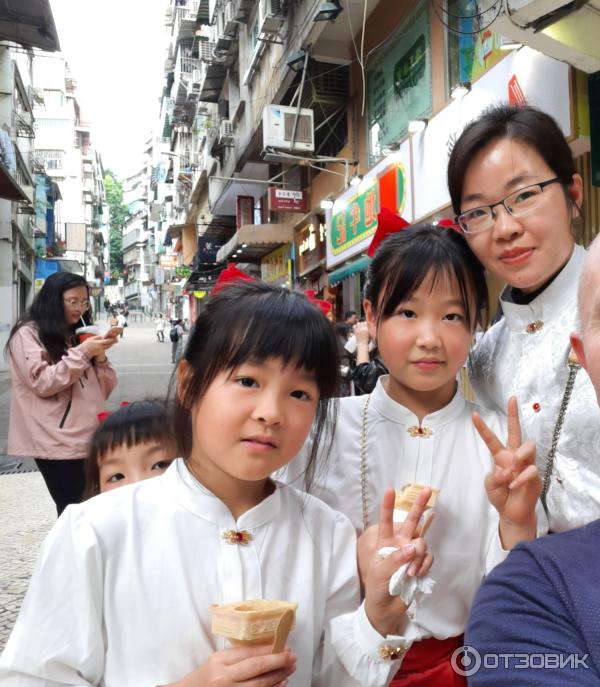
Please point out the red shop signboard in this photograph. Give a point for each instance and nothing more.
(292, 201)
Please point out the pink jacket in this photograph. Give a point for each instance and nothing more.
(53, 407)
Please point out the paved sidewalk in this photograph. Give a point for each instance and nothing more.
(22, 530)
(26, 510)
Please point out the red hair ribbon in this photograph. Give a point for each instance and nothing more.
(388, 222)
(105, 413)
(229, 275)
(324, 306)
(450, 224)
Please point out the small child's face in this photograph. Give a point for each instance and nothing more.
(253, 420)
(426, 340)
(125, 465)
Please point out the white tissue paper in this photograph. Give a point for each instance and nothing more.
(410, 589)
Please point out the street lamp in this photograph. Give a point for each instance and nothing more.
(460, 90)
(416, 125)
(328, 11)
(296, 60)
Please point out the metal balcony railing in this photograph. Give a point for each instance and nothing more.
(188, 64)
(133, 237)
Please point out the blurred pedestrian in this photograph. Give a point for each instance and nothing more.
(58, 385)
(369, 366)
(121, 321)
(160, 325)
(351, 319)
(176, 337)
(346, 359)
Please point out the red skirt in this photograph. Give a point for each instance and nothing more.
(428, 664)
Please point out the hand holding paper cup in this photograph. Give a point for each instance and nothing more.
(87, 332)
(90, 330)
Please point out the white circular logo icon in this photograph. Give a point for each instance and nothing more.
(465, 661)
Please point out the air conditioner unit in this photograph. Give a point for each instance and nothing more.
(222, 45)
(196, 77)
(229, 15)
(278, 126)
(270, 16)
(226, 136)
(532, 12)
(206, 51)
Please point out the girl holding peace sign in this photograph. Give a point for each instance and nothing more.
(425, 295)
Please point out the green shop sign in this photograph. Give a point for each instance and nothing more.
(399, 85)
(355, 219)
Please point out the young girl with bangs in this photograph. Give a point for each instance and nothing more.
(424, 297)
(122, 590)
(130, 444)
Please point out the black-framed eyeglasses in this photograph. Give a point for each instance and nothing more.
(74, 302)
(517, 203)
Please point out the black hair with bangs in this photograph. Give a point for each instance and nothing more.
(404, 260)
(132, 424)
(47, 314)
(254, 322)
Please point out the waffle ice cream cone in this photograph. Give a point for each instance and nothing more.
(257, 621)
(405, 500)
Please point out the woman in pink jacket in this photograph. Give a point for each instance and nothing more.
(58, 385)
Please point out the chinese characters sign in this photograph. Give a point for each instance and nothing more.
(275, 268)
(355, 220)
(399, 84)
(283, 199)
(309, 243)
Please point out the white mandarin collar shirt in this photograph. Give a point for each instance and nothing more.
(525, 354)
(452, 458)
(122, 589)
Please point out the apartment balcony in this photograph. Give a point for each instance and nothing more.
(25, 267)
(133, 238)
(132, 289)
(23, 177)
(36, 165)
(212, 78)
(185, 18)
(25, 226)
(54, 161)
(10, 189)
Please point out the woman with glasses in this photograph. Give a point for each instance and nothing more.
(58, 385)
(516, 194)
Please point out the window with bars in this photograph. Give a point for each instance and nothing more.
(52, 159)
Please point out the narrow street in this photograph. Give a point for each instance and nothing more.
(144, 368)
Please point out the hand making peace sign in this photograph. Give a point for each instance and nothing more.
(514, 485)
(384, 611)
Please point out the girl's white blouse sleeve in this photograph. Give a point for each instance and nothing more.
(58, 638)
(121, 592)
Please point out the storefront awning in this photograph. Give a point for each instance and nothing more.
(30, 23)
(348, 270)
(255, 241)
(175, 230)
(9, 188)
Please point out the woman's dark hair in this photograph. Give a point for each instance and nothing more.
(130, 425)
(47, 313)
(253, 322)
(404, 260)
(527, 124)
